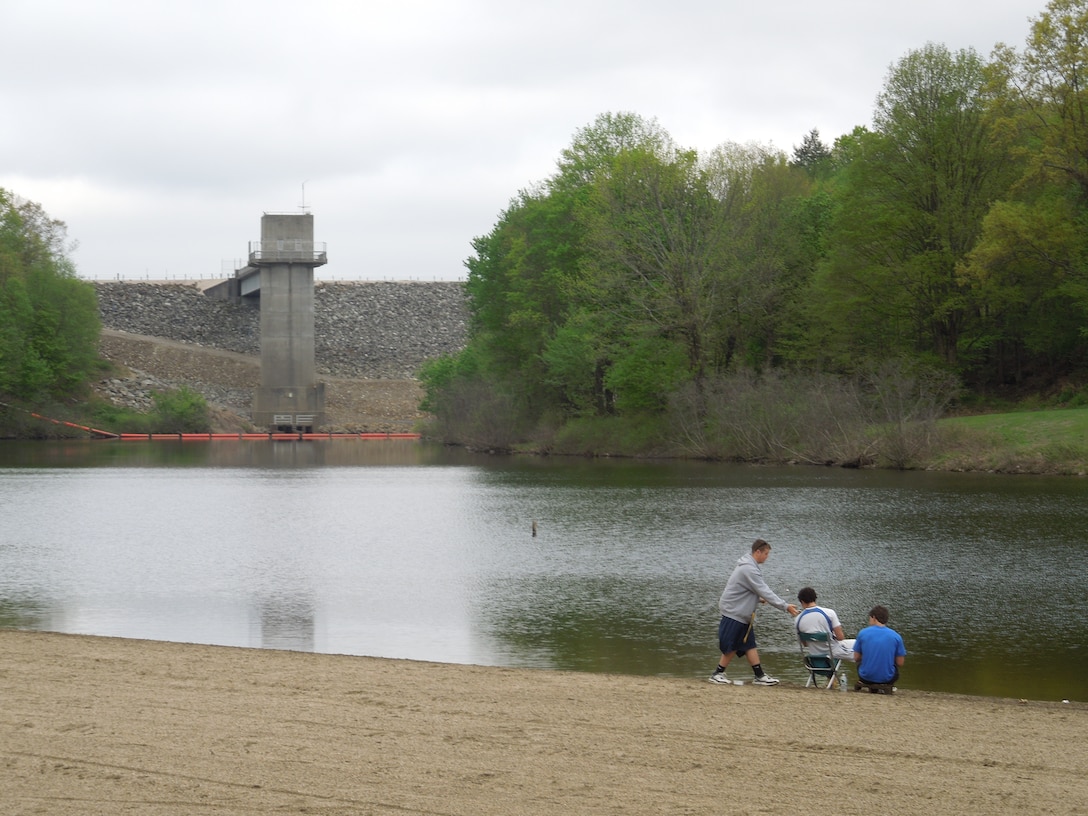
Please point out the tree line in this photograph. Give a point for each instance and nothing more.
(939, 253)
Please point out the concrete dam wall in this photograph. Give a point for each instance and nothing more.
(364, 329)
(371, 338)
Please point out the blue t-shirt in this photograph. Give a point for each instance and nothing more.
(879, 647)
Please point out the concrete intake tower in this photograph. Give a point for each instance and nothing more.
(281, 268)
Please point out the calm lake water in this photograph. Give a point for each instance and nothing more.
(409, 550)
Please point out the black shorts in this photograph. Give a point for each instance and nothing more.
(864, 682)
(736, 636)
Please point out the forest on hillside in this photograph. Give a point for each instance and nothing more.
(745, 303)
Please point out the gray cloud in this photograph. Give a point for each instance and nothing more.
(161, 131)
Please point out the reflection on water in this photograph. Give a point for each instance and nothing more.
(402, 549)
(285, 623)
(81, 453)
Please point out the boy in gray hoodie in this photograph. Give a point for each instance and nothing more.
(736, 631)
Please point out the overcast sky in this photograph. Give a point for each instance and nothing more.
(160, 131)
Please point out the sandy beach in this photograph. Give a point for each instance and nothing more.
(111, 726)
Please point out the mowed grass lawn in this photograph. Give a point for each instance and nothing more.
(1053, 441)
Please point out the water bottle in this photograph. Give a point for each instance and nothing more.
(842, 681)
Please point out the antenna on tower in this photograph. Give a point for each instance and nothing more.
(303, 205)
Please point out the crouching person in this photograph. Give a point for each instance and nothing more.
(879, 653)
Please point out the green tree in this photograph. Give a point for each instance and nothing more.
(1040, 96)
(910, 205)
(705, 253)
(656, 236)
(595, 148)
(774, 237)
(576, 360)
(520, 285)
(812, 155)
(637, 267)
(527, 278)
(48, 318)
(1031, 265)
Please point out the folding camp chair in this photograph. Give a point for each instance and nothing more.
(823, 667)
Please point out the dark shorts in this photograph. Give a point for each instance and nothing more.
(736, 636)
(894, 679)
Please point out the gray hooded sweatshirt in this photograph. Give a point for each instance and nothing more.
(744, 589)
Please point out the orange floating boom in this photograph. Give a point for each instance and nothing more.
(275, 437)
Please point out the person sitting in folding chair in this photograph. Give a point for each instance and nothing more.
(823, 644)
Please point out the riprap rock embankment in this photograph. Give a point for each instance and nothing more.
(374, 331)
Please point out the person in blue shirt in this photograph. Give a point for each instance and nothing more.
(879, 653)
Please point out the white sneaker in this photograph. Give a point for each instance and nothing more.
(720, 679)
(766, 680)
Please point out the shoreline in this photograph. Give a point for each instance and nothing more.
(110, 725)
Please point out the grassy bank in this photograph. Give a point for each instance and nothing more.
(1054, 441)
